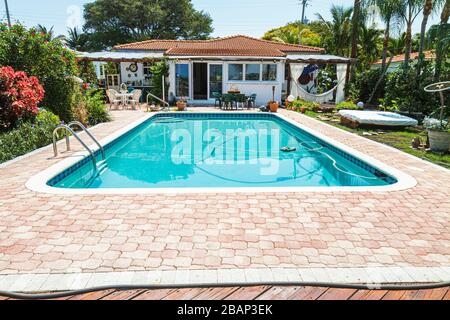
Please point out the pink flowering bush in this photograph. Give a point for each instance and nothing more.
(20, 96)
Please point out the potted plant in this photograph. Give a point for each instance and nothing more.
(438, 134)
(181, 104)
(273, 105)
(438, 129)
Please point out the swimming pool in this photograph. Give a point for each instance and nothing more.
(221, 150)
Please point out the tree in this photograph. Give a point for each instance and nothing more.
(49, 34)
(389, 13)
(76, 40)
(291, 32)
(370, 46)
(49, 61)
(111, 22)
(443, 40)
(409, 11)
(338, 30)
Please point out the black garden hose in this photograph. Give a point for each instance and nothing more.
(56, 295)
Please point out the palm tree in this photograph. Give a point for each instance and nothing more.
(370, 43)
(48, 33)
(389, 13)
(338, 30)
(442, 42)
(76, 40)
(428, 8)
(409, 11)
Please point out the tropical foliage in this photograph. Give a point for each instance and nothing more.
(32, 52)
(28, 136)
(296, 33)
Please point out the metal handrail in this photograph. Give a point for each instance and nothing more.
(67, 128)
(80, 125)
(157, 98)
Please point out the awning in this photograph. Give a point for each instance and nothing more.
(113, 56)
(318, 59)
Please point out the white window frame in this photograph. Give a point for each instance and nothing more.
(244, 68)
(146, 67)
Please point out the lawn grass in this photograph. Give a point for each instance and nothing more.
(395, 138)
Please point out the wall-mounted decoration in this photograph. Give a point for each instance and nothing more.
(133, 67)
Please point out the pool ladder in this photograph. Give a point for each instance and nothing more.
(99, 166)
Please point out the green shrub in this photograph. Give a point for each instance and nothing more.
(405, 89)
(362, 86)
(49, 61)
(28, 136)
(299, 103)
(96, 108)
(347, 105)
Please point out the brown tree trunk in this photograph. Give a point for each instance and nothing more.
(427, 9)
(385, 44)
(355, 35)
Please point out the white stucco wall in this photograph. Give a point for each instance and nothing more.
(263, 89)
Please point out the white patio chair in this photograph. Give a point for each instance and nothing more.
(136, 98)
(112, 97)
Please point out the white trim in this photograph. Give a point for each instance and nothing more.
(371, 276)
(38, 182)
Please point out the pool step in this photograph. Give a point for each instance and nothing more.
(102, 166)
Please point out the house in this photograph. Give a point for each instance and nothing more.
(199, 68)
(399, 59)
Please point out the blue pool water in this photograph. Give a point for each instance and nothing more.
(221, 150)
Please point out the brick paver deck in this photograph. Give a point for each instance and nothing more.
(41, 233)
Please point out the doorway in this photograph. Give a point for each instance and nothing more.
(200, 81)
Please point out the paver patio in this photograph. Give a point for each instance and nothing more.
(42, 233)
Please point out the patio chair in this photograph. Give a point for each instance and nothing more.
(112, 97)
(227, 101)
(136, 98)
(251, 101)
(218, 99)
(241, 101)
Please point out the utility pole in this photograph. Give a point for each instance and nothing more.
(7, 13)
(304, 4)
(302, 21)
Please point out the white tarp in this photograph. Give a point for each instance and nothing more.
(378, 118)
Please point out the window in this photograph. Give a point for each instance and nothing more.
(252, 72)
(146, 68)
(182, 80)
(269, 72)
(235, 72)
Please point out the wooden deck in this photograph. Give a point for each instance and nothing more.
(265, 293)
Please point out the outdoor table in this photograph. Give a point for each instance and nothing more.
(124, 97)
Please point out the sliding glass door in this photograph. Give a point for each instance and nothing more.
(215, 79)
(182, 80)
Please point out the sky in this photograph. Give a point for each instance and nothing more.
(249, 17)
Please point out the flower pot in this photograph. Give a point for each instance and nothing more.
(439, 140)
(274, 106)
(303, 110)
(181, 105)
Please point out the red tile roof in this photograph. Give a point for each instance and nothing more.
(229, 46)
(429, 55)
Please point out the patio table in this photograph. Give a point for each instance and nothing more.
(124, 97)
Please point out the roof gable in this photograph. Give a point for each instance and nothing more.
(229, 46)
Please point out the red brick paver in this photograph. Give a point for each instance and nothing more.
(41, 233)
